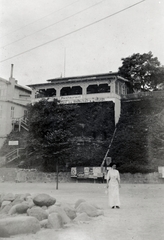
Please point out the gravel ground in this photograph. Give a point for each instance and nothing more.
(141, 216)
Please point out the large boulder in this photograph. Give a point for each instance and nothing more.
(38, 213)
(55, 221)
(44, 200)
(5, 203)
(6, 209)
(44, 223)
(22, 207)
(25, 196)
(8, 197)
(82, 217)
(30, 202)
(89, 209)
(21, 198)
(61, 213)
(20, 225)
(19, 208)
(12, 210)
(17, 201)
(71, 213)
(78, 202)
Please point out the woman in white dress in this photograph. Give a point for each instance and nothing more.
(113, 184)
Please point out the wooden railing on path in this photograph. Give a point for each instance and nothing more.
(21, 122)
(11, 156)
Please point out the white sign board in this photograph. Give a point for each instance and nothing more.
(13, 143)
(161, 171)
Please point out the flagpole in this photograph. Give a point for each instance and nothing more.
(64, 61)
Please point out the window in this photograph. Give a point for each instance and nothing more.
(2, 92)
(12, 112)
(50, 92)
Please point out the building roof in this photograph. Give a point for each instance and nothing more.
(26, 89)
(89, 77)
(4, 80)
(81, 78)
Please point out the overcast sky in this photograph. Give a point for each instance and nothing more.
(45, 39)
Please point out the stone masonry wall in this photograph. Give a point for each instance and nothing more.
(24, 175)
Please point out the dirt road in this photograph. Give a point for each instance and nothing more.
(141, 216)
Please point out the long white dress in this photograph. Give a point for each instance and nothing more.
(113, 177)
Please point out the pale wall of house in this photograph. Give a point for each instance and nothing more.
(10, 98)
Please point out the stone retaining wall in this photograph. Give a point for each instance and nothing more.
(25, 175)
(2, 161)
(141, 178)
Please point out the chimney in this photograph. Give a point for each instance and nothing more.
(12, 66)
(11, 79)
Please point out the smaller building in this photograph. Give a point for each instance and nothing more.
(83, 89)
(13, 105)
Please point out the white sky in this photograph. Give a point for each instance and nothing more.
(95, 49)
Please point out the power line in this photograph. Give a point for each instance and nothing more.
(39, 19)
(77, 30)
(54, 23)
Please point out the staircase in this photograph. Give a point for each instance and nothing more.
(21, 122)
(108, 159)
(11, 156)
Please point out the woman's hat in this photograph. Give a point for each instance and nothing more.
(112, 163)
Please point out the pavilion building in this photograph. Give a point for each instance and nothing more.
(83, 89)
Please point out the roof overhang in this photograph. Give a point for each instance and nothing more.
(104, 76)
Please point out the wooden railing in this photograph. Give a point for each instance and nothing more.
(14, 155)
(21, 122)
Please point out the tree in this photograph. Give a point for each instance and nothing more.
(143, 71)
(50, 130)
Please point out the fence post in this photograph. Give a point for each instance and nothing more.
(19, 125)
(17, 152)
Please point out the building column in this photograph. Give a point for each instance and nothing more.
(113, 86)
(33, 94)
(58, 89)
(84, 89)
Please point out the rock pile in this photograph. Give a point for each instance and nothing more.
(25, 214)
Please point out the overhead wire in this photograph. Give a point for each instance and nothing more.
(58, 10)
(54, 23)
(74, 31)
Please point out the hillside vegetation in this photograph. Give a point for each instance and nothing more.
(138, 145)
(139, 142)
(14, 136)
(93, 134)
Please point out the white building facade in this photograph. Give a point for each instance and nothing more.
(83, 89)
(13, 105)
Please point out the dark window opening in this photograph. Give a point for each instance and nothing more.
(67, 91)
(92, 89)
(50, 92)
(102, 88)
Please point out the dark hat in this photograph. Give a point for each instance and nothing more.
(112, 163)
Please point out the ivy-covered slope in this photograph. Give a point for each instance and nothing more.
(90, 140)
(93, 134)
(138, 145)
(139, 142)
